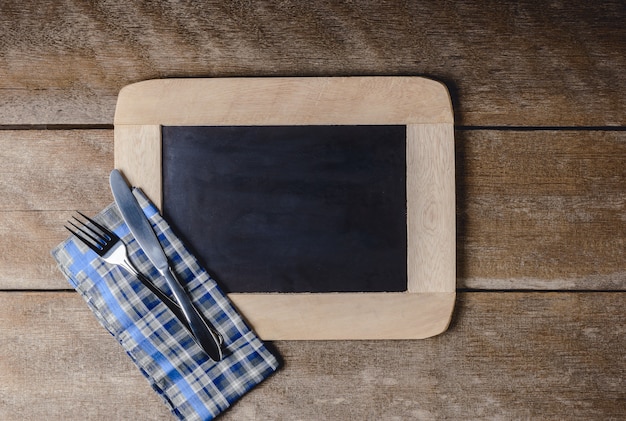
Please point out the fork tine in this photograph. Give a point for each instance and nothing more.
(83, 239)
(94, 236)
(103, 229)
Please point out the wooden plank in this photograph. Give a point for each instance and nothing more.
(521, 63)
(506, 355)
(26, 238)
(539, 210)
(55, 170)
(45, 176)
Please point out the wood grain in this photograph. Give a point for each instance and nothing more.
(541, 209)
(26, 239)
(510, 356)
(345, 315)
(521, 63)
(276, 101)
(431, 230)
(144, 143)
(535, 209)
(54, 170)
(45, 176)
(63, 365)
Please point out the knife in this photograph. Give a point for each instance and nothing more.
(142, 231)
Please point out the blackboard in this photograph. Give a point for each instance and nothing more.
(312, 208)
(379, 133)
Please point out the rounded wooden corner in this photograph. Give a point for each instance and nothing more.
(443, 95)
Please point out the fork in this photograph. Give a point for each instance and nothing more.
(106, 244)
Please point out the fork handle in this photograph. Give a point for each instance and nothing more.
(204, 335)
(126, 264)
(171, 304)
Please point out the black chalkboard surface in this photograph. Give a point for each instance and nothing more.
(291, 208)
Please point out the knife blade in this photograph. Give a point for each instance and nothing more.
(144, 234)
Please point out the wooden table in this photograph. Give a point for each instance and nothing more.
(538, 90)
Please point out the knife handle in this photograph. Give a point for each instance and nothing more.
(171, 304)
(203, 335)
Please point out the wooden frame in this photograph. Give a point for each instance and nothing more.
(422, 105)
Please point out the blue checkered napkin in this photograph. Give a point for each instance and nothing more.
(192, 385)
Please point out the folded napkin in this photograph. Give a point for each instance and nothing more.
(192, 385)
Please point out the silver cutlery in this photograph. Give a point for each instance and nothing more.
(106, 244)
(144, 234)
